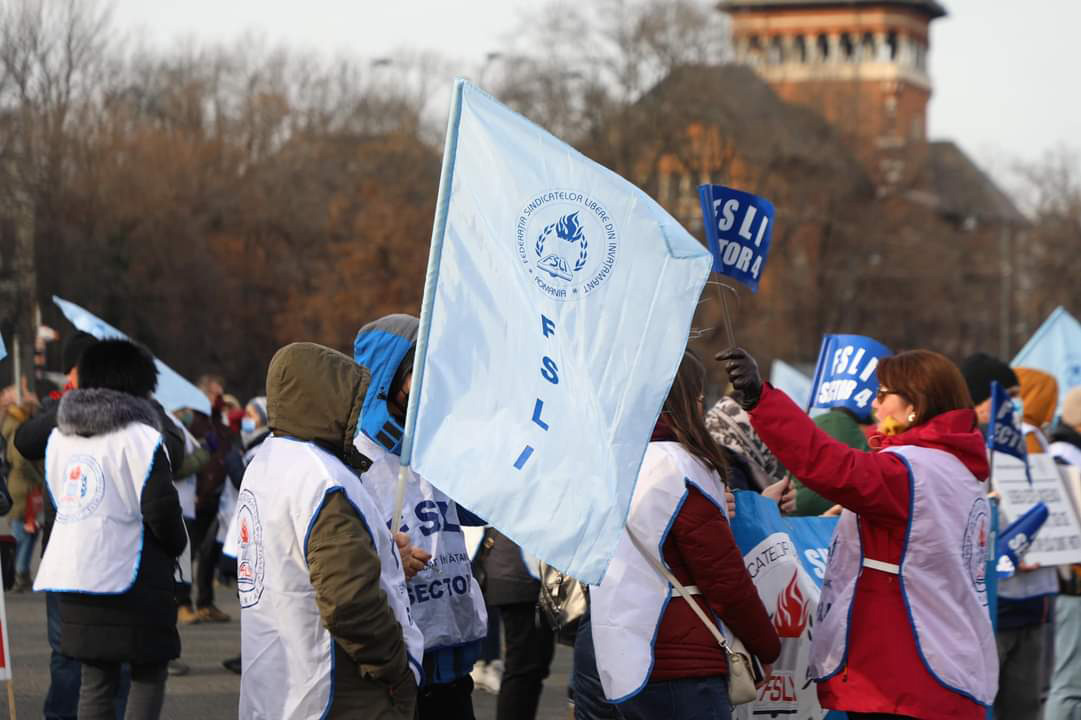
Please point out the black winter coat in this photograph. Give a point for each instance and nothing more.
(138, 626)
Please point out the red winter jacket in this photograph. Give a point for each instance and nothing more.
(701, 550)
(884, 672)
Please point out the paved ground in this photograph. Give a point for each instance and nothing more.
(210, 691)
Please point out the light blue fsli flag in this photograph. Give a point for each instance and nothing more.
(557, 308)
(3, 350)
(1056, 349)
(174, 392)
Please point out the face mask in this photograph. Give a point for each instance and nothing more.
(247, 425)
(185, 417)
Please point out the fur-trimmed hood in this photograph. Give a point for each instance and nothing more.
(99, 411)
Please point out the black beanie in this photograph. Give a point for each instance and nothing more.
(980, 370)
(74, 347)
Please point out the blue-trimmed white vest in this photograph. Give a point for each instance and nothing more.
(97, 486)
(628, 605)
(942, 578)
(446, 600)
(288, 654)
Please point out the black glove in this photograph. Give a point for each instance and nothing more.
(743, 372)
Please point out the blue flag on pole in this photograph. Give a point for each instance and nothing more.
(845, 375)
(556, 311)
(1004, 432)
(1056, 349)
(1016, 539)
(739, 227)
(174, 392)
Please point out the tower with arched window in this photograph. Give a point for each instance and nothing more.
(862, 64)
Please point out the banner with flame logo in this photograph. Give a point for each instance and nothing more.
(787, 559)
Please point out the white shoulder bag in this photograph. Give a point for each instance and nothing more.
(743, 668)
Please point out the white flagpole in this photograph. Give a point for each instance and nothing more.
(435, 255)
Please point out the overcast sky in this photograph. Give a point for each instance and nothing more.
(1007, 74)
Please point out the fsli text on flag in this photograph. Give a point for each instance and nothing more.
(845, 375)
(557, 307)
(1004, 432)
(174, 392)
(739, 228)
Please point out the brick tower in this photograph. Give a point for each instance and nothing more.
(861, 64)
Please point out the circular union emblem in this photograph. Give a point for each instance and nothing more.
(567, 243)
(974, 546)
(82, 489)
(250, 566)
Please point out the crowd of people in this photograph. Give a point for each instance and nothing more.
(292, 499)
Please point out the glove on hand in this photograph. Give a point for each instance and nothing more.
(743, 372)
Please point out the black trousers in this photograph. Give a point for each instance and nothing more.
(205, 554)
(530, 645)
(453, 701)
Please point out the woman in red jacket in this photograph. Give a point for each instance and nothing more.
(654, 656)
(902, 628)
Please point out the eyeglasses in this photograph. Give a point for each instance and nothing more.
(883, 392)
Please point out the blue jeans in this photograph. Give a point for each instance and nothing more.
(65, 674)
(24, 546)
(585, 687)
(686, 699)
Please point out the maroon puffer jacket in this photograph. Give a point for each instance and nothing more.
(701, 550)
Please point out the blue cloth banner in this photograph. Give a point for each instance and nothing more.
(557, 307)
(1056, 349)
(845, 375)
(1004, 433)
(739, 228)
(1016, 539)
(3, 350)
(174, 392)
(787, 559)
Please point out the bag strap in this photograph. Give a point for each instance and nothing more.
(683, 591)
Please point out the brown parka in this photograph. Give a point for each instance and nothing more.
(315, 394)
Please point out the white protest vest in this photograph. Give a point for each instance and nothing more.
(446, 600)
(288, 653)
(627, 607)
(97, 485)
(942, 578)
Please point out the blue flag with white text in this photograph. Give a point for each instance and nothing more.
(786, 558)
(174, 392)
(845, 376)
(1055, 348)
(739, 227)
(561, 299)
(1004, 431)
(1016, 539)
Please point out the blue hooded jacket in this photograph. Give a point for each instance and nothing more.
(386, 347)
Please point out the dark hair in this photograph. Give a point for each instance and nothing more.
(118, 365)
(683, 414)
(928, 380)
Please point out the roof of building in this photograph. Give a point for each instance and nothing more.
(767, 130)
(931, 7)
(957, 186)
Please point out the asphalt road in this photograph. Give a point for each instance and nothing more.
(209, 692)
